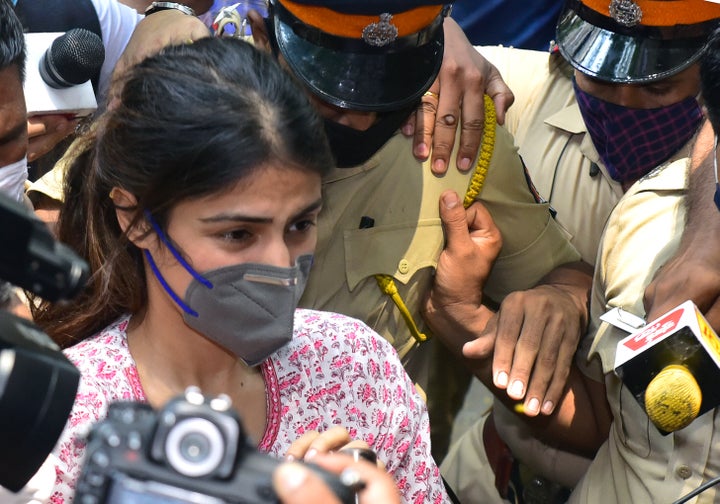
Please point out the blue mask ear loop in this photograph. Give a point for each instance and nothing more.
(179, 259)
(717, 183)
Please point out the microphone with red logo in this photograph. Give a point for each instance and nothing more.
(672, 367)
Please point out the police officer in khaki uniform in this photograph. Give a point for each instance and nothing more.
(585, 140)
(642, 464)
(380, 234)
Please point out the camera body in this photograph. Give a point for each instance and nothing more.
(37, 391)
(31, 258)
(194, 450)
(37, 382)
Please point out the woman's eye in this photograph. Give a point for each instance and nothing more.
(236, 235)
(303, 225)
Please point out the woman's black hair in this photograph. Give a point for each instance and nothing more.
(192, 120)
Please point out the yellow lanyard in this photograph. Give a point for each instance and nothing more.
(386, 282)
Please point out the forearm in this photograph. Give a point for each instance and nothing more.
(694, 271)
(582, 420)
(457, 327)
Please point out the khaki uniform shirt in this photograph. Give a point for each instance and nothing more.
(402, 196)
(637, 463)
(555, 146)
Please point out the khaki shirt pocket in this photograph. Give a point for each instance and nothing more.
(409, 254)
(398, 250)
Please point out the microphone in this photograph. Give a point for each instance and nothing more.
(73, 58)
(59, 69)
(672, 367)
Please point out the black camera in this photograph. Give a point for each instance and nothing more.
(31, 258)
(37, 391)
(194, 450)
(37, 382)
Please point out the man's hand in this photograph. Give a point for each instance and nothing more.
(46, 131)
(453, 308)
(457, 95)
(536, 333)
(297, 484)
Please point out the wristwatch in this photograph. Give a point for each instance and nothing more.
(160, 6)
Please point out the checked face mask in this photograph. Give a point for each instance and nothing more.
(632, 142)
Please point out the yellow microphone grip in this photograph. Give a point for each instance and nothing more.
(673, 398)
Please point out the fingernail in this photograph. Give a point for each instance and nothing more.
(311, 453)
(291, 476)
(450, 199)
(516, 389)
(548, 407)
(422, 150)
(408, 130)
(533, 405)
(501, 380)
(464, 164)
(290, 458)
(31, 156)
(439, 165)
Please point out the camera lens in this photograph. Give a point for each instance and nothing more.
(194, 447)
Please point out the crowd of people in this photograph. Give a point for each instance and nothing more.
(348, 222)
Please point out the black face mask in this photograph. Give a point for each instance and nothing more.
(353, 147)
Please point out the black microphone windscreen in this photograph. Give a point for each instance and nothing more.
(72, 58)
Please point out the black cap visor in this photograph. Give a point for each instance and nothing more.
(374, 79)
(624, 58)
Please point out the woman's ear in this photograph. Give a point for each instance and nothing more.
(258, 29)
(126, 211)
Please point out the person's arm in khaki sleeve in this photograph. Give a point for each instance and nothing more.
(694, 272)
(535, 330)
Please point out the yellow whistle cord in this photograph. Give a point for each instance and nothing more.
(386, 282)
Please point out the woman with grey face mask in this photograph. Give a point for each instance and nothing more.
(196, 206)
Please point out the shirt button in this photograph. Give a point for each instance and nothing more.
(683, 471)
(404, 266)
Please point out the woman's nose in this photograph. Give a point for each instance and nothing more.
(278, 254)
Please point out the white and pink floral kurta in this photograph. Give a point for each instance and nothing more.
(335, 371)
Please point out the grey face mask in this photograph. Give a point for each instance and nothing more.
(247, 308)
(250, 307)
